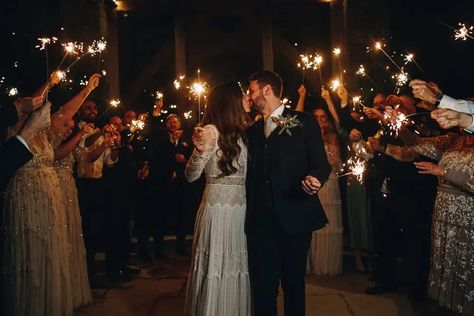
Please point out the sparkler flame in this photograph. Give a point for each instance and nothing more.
(73, 48)
(198, 89)
(409, 58)
(335, 84)
(361, 71)
(98, 46)
(12, 92)
(45, 41)
(336, 51)
(395, 124)
(463, 32)
(158, 95)
(114, 103)
(137, 125)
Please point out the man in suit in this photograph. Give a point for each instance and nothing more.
(287, 167)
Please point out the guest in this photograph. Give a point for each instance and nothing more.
(36, 278)
(96, 150)
(64, 164)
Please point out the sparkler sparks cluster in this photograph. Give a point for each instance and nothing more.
(12, 92)
(98, 46)
(357, 168)
(45, 41)
(310, 61)
(463, 32)
(394, 124)
(114, 103)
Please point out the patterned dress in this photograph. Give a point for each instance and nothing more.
(452, 263)
(35, 262)
(218, 282)
(81, 292)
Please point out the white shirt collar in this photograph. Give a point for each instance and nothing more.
(278, 111)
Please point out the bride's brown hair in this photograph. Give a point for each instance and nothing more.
(224, 110)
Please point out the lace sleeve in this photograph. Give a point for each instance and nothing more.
(197, 162)
(432, 147)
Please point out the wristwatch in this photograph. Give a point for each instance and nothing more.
(439, 96)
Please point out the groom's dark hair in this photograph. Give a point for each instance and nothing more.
(265, 77)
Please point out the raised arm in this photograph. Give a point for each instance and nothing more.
(67, 111)
(302, 96)
(205, 142)
(68, 146)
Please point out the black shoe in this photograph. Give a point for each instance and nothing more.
(380, 289)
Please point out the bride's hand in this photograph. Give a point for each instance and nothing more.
(198, 139)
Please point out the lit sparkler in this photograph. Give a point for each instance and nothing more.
(395, 123)
(363, 73)
(463, 32)
(335, 84)
(357, 168)
(44, 41)
(114, 103)
(379, 46)
(177, 82)
(12, 92)
(158, 95)
(401, 79)
(337, 53)
(188, 115)
(137, 125)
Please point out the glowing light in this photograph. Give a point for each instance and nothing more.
(198, 89)
(335, 84)
(336, 51)
(114, 103)
(395, 124)
(158, 95)
(409, 58)
(12, 92)
(98, 46)
(73, 48)
(463, 32)
(188, 115)
(361, 71)
(45, 41)
(61, 75)
(357, 167)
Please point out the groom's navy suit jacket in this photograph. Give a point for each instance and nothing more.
(277, 165)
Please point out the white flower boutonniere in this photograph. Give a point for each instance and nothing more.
(288, 122)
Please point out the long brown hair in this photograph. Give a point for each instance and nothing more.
(224, 110)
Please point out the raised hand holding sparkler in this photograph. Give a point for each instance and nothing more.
(448, 118)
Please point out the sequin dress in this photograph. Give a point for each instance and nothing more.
(218, 282)
(35, 262)
(451, 280)
(81, 292)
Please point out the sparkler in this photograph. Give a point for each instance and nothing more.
(12, 92)
(379, 46)
(395, 124)
(137, 125)
(361, 72)
(310, 62)
(44, 42)
(335, 84)
(337, 53)
(188, 115)
(401, 79)
(286, 102)
(357, 168)
(114, 103)
(463, 32)
(158, 95)
(197, 89)
(410, 58)
(177, 82)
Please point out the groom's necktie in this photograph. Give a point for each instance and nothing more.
(269, 126)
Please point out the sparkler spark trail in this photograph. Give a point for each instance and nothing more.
(177, 82)
(114, 103)
(12, 92)
(188, 115)
(137, 125)
(463, 32)
(379, 46)
(45, 41)
(335, 84)
(158, 95)
(357, 168)
(361, 72)
(401, 79)
(337, 53)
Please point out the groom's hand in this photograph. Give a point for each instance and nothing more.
(310, 185)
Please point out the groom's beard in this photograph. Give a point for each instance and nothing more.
(259, 103)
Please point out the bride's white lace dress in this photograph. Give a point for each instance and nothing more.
(218, 282)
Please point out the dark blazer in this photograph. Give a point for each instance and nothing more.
(13, 155)
(8, 116)
(292, 158)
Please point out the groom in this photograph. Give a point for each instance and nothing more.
(287, 166)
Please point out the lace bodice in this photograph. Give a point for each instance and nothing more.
(208, 163)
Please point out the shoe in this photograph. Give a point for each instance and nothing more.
(380, 289)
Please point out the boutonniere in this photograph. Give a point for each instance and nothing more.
(287, 122)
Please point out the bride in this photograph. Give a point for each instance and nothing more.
(218, 282)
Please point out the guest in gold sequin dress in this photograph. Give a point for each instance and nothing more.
(34, 264)
(64, 164)
(451, 280)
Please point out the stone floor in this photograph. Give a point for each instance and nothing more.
(160, 289)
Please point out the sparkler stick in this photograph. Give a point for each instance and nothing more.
(357, 168)
(361, 72)
(337, 52)
(379, 46)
